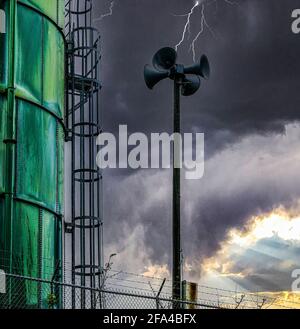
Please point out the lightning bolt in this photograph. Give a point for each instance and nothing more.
(203, 24)
(187, 25)
(109, 13)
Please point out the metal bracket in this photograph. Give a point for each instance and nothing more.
(10, 141)
(69, 227)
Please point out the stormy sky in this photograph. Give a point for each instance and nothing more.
(248, 110)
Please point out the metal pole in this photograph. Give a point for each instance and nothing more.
(164, 66)
(10, 141)
(176, 201)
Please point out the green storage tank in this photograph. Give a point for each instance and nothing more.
(32, 79)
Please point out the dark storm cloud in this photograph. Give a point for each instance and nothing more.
(254, 83)
(250, 178)
(254, 89)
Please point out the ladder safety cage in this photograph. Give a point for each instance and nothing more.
(84, 224)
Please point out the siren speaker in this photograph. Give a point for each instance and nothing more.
(202, 68)
(152, 77)
(190, 85)
(164, 59)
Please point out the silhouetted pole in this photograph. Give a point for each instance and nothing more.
(176, 276)
(186, 82)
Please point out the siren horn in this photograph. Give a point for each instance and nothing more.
(190, 85)
(152, 77)
(202, 68)
(164, 59)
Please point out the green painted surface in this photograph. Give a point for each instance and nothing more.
(53, 91)
(25, 240)
(29, 54)
(36, 157)
(54, 9)
(32, 142)
(2, 145)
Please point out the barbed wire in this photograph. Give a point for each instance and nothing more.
(140, 282)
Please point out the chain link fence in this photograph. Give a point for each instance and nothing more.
(30, 293)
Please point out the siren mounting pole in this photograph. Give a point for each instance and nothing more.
(176, 275)
(164, 66)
